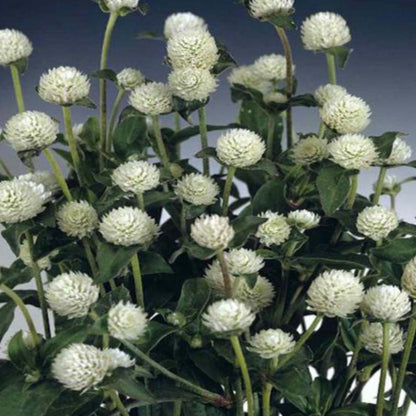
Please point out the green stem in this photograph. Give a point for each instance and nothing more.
(113, 118)
(393, 202)
(270, 137)
(60, 178)
(379, 185)
(267, 390)
(227, 189)
(177, 121)
(177, 408)
(384, 368)
(6, 169)
(163, 154)
(239, 397)
(140, 201)
(225, 273)
(118, 403)
(332, 71)
(106, 337)
(353, 192)
(17, 88)
(138, 284)
(90, 257)
(204, 138)
(406, 405)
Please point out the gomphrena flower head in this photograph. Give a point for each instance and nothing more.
(118, 358)
(263, 9)
(212, 231)
(376, 222)
(324, 30)
(197, 189)
(303, 219)
(31, 130)
(25, 255)
(130, 78)
(258, 297)
(152, 98)
(128, 226)
(192, 84)
(247, 76)
(275, 231)
(120, 5)
(72, 294)
(228, 317)
(136, 176)
(310, 150)
(386, 303)
(182, 22)
(271, 343)
(329, 93)
(271, 67)
(45, 178)
(64, 85)
(335, 293)
(409, 278)
(372, 338)
(353, 151)
(400, 153)
(14, 45)
(240, 148)
(21, 200)
(126, 321)
(346, 115)
(242, 261)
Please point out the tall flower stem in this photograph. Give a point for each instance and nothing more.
(17, 88)
(270, 137)
(227, 189)
(239, 398)
(267, 389)
(90, 256)
(384, 369)
(140, 200)
(204, 138)
(60, 178)
(113, 118)
(138, 284)
(163, 154)
(118, 403)
(330, 59)
(225, 273)
(353, 192)
(379, 185)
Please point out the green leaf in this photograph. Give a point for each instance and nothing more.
(271, 196)
(106, 74)
(186, 108)
(49, 240)
(284, 21)
(17, 274)
(336, 260)
(150, 34)
(6, 318)
(13, 234)
(358, 409)
(341, 54)
(130, 136)
(225, 59)
(20, 355)
(85, 102)
(90, 133)
(243, 227)
(71, 403)
(155, 333)
(21, 65)
(401, 250)
(304, 100)
(215, 367)
(194, 297)
(197, 251)
(384, 143)
(192, 131)
(153, 263)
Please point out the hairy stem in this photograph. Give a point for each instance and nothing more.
(17, 88)
(140, 200)
(353, 192)
(227, 190)
(163, 154)
(379, 185)
(384, 369)
(204, 138)
(118, 403)
(90, 256)
(113, 118)
(60, 178)
(332, 72)
(267, 389)
(138, 284)
(270, 137)
(225, 273)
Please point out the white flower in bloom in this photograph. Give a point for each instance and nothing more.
(118, 5)
(386, 303)
(127, 226)
(256, 298)
(64, 85)
(310, 150)
(47, 179)
(212, 231)
(192, 49)
(324, 30)
(137, 176)
(215, 279)
(335, 293)
(409, 278)
(243, 261)
(303, 219)
(197, 189)
(275, 97)
(247, 76)
(372, 338)
(240, 148)
(329, 93)
(21, 200)
(181, 22)
(376, 222)
(71, 294)
(228, 316)
(118, 358)
(80, 366)
(152, 98)
(14, 45)
(26, 257)
(275, 230)
(400, 153)
(192, 84)
(347, 114)
(271, 343)
(126, 321)
(262, 9)
(31, 130)
(353, 151)
(77, 219)
(271, 67)
(130, 78)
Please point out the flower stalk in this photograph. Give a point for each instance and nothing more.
(384, 369)
(227, 189)
(138, 284)
(17, 88)
(113, 118)
(379, 185)
(60, 178)
(204, 139)
(330, 59)
(163, 154)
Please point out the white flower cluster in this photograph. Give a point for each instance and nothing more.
(329, 93)
(271, 67)
(310, 150)
(25, 255)
(47, 179)
(275, 231)
(130, 78)
(271, 343)
(372, 338)
(152, 98)
(376, 222)
(303, 219)
(14, 45)
(181, 22)
(118, 5)
(126, 321)
(262, 9)
(400, 153)
(409, 278)
(212, 231)
(248, 77)
(197, 189)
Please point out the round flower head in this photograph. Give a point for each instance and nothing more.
(192, 49)
(119, 5)
(181, 22)
(14, 45)
(47, 179)
(262, 9)
(386, 303)
(21, 200)
(376, 222)
(335, 293)
(243, 261)
(118, 358)
(192, 84)
(136, 176)
(240, 148)
(353, 151)
(372, 338)
(409, 278)
(271, 67)
(271, 343)
(324, 30)
(26, 256)
(152, 98)
(275, 97)
(303, 219)
(310, 150)
(72, 294)
(77, 219)
(329, 93)
(31, 130)
(275, 231)
(130, 78)
(228, 317)
(212, 231)
(247, 76)
(197, 189)
(400, 153)
(64, 86)
(80, 367)
(126, 321)
(347, 114)
(256, 298)
(127, 226)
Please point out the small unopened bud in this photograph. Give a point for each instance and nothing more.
(176, 319)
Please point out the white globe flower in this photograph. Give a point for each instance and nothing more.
(127, 226)
(118, 358)
(181, 22)
(119, 5)
(26, 256)
(262, 9)
(372, 338)
(310, 150)
(137, 176)
(130, 78)
(72, 294)
(275, 231)
(386, 303)
(14, 45)
(409, 278)
(47, 179)
(214, 278)
(303, 219)
(329, 93)
(80, 367)
(271, 343)
(127, 321)
(256, 298)
(31, 130)
(64, 86)
(335, 293)
(400, 153)
(77, 219)
(152, 98)
(353, 151)
(197, 189)
(275, 97)
(228, 316)
(243, 261)
(324, 30)
(247, 76)
(212, 231)
(376, 222)
(271, 67)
